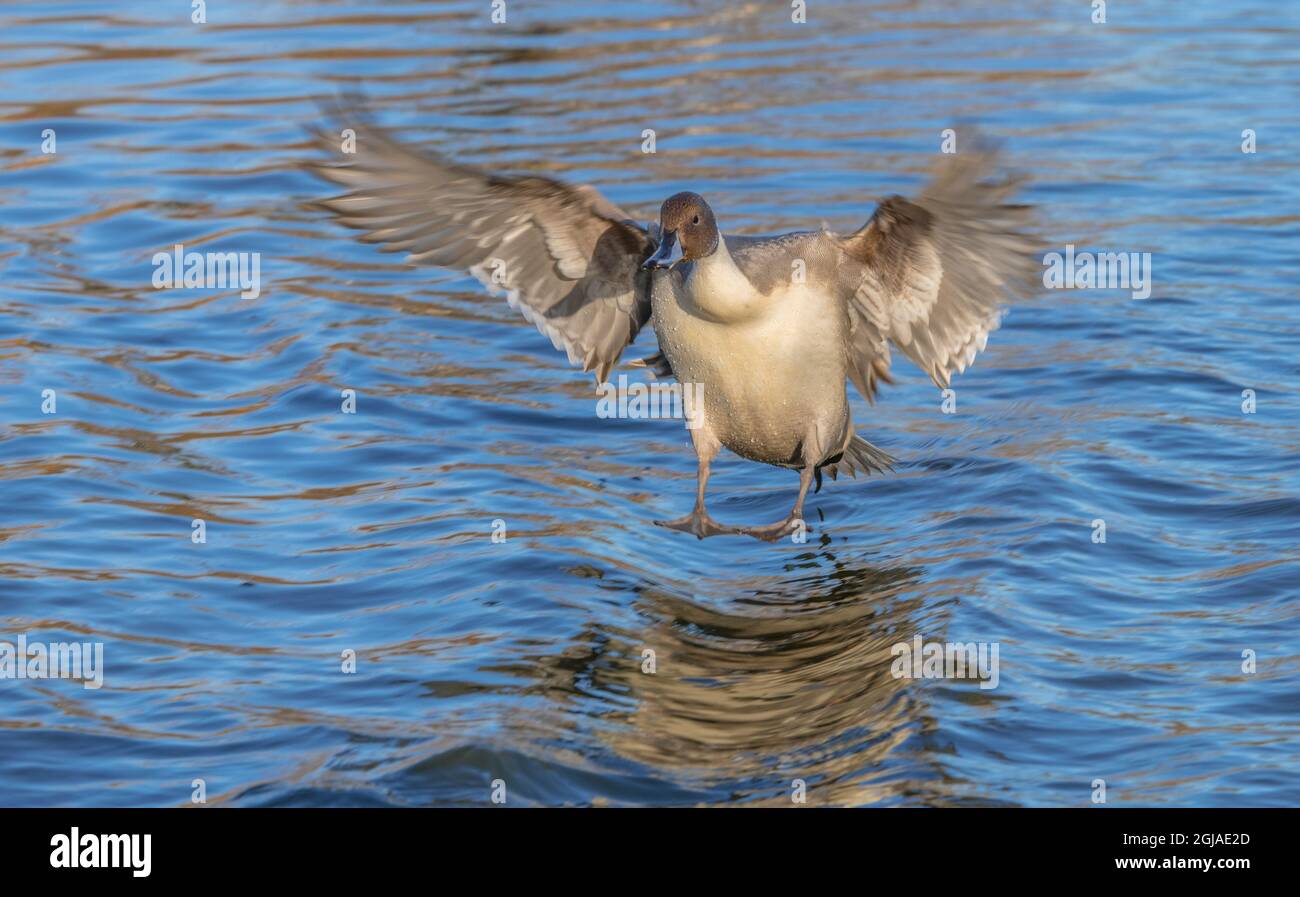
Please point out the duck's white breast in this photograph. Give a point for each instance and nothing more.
(767, 378)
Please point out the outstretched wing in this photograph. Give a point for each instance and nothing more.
(565, 257)
(929, 275)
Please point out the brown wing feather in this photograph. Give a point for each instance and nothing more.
(932, 273)
(565, 257)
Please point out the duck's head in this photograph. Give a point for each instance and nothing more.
(687, 231)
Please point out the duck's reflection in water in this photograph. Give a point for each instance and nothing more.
(739, 698)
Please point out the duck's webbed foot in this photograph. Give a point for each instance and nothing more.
(699, 524)
(773, 531)
(793, 522)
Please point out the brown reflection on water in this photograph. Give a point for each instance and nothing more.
(790, 682)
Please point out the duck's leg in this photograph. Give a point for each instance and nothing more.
(774, 531)
(698, 521)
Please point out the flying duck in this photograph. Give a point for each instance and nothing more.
(770, 328)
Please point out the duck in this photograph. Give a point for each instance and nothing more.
(769, 330)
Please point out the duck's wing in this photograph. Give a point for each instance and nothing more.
(929, 275)
(768, 262)
(564, 256)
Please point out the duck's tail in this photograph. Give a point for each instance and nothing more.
(859, 456)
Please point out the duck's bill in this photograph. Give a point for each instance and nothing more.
(668, 254)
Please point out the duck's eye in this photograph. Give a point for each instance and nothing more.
(695, 220)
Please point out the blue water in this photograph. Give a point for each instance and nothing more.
(522, 660)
